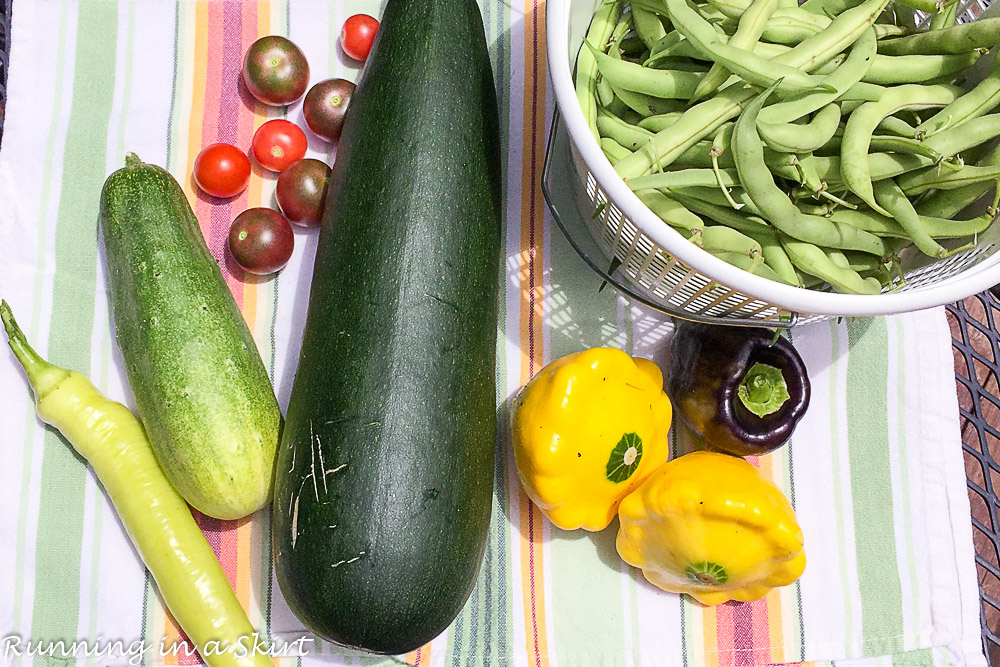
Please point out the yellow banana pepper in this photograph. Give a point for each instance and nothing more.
(587, 430)
(709, 525)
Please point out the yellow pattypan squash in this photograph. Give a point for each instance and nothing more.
(709, 525)
(587, 430)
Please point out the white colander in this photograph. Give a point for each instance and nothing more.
(670, 273)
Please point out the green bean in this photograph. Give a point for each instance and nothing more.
(618, 108)
(812, 259)
(613, 150)
(672, 38)
(803, 17)
(981, 99)
(848, 75)
(660, 121)
(710, 15)
(632, 46)
(947, 203)
(683, 178)
(892, 199)
(747, 264)
(945, 16)
(715, 197)
(731, 8)
(856, 261)
(652, 6)
(647, 26)
(792, 138)
(605, 95)
(719, 238)
(586, 66)
(882, 165)
(777, 208)
(894, 144)
(884, 30)
(678, 63)
(822, 210)
(791, 26)
(707, 116)
(785, 32)
(747, 34)
(935, 226)
(743, 63)
(862, 92)
(983, 33)
(897, 126)
(631, 137)
(917, 68)
(638, 79)
(646, 105)
(890, 143)
(916, 182)
(752, 226)
(855, 168)
(926, 6)
(965, 136)
(832, 65)
(743, 221)
(828, 7)
(669, 210)
(844, 30)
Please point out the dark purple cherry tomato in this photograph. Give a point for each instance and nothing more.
(261, 240)
(325, 106)
(275, 71)
(301, 191)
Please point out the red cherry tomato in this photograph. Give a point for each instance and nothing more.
(357, 35)
(222, 170)
(261, 240)
(278, 143)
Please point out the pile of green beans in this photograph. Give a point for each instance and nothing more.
(809, 144)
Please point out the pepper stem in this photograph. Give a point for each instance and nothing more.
(763, 389)
(42, 376)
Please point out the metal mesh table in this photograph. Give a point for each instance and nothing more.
(976, 347)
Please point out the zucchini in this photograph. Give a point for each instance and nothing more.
(202, 391)
(384, 478)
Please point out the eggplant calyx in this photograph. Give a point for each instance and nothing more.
(763, 389)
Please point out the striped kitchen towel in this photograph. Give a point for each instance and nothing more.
(875, 471)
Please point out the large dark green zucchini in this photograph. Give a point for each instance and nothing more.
(384, 474)
(201, 389)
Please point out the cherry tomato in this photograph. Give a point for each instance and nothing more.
(222, 170)
(357, 35)
(278, 143)
(261, 241)
(325, 106)
(275, 71)
(301, 191)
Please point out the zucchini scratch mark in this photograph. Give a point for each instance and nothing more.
(322, 465)
(331, 471)
(312, 464)
(442, 300)
(349, 560)
(295, 522)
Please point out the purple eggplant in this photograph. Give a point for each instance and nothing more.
(740, 389)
